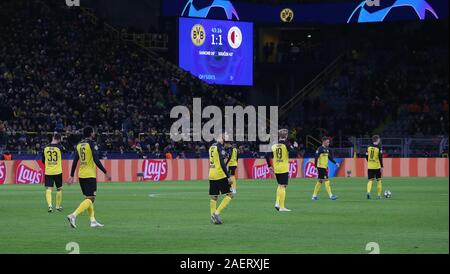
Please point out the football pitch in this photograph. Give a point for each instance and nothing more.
(173, 217)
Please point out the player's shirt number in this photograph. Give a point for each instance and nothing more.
(52, 156)
(279, 153)
(372, 154)
(83, 153)
(211, 159)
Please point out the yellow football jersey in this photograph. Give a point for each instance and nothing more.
(85, 152)
(233, 157)
(216, 171)
(322, 157)
(280, 160)
(52, 159)
(373, 157)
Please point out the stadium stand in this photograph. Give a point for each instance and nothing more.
(51, 73)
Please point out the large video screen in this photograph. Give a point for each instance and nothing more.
(216, 51)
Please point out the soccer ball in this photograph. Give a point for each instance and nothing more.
(217, 9)
(379, 11)
(388, 194)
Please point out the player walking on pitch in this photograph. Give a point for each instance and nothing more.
(323, 154)
(280, 167)
(86, 153)
(232, 163)
(219, 179)
(374, 156)
(51, 158)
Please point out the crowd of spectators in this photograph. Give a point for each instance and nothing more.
(59, 72)
(384, 84)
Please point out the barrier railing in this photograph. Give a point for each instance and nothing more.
(408, 147)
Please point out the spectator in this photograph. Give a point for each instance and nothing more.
(7, 156)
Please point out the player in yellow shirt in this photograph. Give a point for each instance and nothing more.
(86, 153)
(374, 156)
(52, 159)
(219, 179)
(323, 154)
(278, 162)
(232, 163)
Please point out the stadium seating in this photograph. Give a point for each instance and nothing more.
(57, 78)
(54, 77)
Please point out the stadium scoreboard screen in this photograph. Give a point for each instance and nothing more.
(217, 51)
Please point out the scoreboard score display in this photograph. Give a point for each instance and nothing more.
(217, 51)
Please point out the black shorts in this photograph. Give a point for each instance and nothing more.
(217, 187)
(88, 186)
(54, 180)
(282, 178)
(374, 174)
(232, 170)
(322, 173)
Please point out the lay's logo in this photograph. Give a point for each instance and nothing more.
(155, 170)
(261, 171)
(293, 169)
(2, 173)
(29, 173)
(258, 169)
(310, 170)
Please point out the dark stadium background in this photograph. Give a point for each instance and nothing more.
(112, 64)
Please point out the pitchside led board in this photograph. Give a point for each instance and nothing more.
(217, 51)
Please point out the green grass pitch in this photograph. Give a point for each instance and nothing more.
(173, 217)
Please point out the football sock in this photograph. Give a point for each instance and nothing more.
(282, 196)
(316, 189)
(369, 186)
(223, 204)
(328, 188)
(212, 206)
(58, 198)
(82, 207)
(90, 211)
(233, 179)
(379, 187)
(277, 202)
(48, 196)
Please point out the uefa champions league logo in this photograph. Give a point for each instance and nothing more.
(191, 11)
(420, 7)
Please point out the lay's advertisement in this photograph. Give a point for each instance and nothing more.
(31, 172)
(310, 170)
